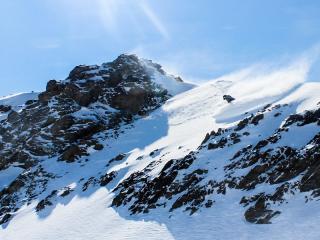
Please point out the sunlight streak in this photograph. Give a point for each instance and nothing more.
(154, 20)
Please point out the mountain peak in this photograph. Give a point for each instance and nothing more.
(129, 69)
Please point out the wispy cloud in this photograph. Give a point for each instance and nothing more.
(116, 16)
(108, 14)
(154, 20)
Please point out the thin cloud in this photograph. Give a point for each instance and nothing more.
(115, 16)
(155, 20)
(108, 11)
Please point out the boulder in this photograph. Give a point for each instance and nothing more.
(72, 153)
(82, 72)
(5, 108)
(62, 124)
(259, 213)
(228, 98)
(132, 101)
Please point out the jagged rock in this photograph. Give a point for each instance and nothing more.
(46, 202)
(117, 158)
(5, 218)
(13, 116)
(62, 124)
(259, 213)
(13, 187)
(220, 144)
(253, 177)
(133, 101)
(82, 72)
(54, 87)
(5, 108)
(242, 124)
(66, 192)
(256, 119)
(72, 153)
(98, 147)
(104, 180)
(42, 204)
(206, 138)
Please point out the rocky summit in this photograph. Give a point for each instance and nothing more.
(124, 141)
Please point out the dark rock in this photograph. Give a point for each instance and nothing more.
(14, 186)
(62, 124)
(54, 87)
(82, 72)
(66, 192)
(72, 153)
(259, 213)
(256, 119)
(293, 119)
(13, 117)
(118, 157)
(220, 144)
(228, 98)
(104, 180)
(209, 203)
(261, 144)
(98, 147)
(46, 202)
(72, 91)
(207, 137)
(5, 108)
(5, 219)
(30, 102)
(42, 204)
(133, 101)
(252, 178)
(242, 124)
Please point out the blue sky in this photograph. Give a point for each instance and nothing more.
(44, 39)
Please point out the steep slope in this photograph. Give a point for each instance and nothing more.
(168, 162)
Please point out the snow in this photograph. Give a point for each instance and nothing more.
(168, 82)
(89, 218)
(82, 218)
(16, 101)
(175, 129)
(8, 175)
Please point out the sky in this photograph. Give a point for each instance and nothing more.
(198, 40)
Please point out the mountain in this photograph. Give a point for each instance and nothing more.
(126, 151)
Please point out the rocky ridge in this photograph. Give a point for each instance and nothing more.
(187, 183)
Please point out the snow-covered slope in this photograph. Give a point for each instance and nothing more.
(171, 174)
(16, 101)
(19, 99)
